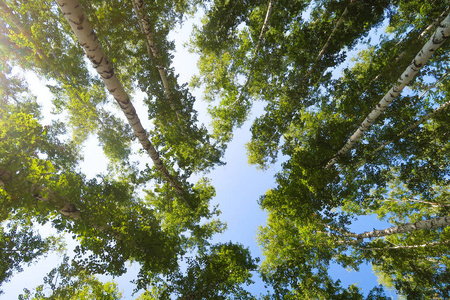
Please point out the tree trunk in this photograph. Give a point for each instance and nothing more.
(441, 34)
(327, 43)
(40, 55)
(420, 225)
(152, 49)
(401, 55)
(87, 38)
(255, 53)
(432, 244)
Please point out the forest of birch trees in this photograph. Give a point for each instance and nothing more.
(355, 97)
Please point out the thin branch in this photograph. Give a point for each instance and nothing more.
(330, 37)
(432, 86)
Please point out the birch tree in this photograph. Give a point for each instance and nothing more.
(298, 255)
(38, 182)
(87, 38)
(428, 49)
(74, 91)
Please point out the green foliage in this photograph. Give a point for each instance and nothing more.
(21, 246)
(179, 220)
(217, 273)
(69, 282)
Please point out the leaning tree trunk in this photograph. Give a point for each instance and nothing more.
(400, 247)
(409, 227)
(87, 38)
(401, 55)
(152, 50)
(438, 38)
(255, 53)
(327, 43)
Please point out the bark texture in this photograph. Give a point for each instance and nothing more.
(87, 38)
(420, 225)
(432, 244)
(438, 38)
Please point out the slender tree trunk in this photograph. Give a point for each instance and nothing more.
(432, 25)
(152, 49)
(255, 53)
(432, 244)
(327, 43)
(42, 56)
(409, 227)
(401, 55)
(87, 38)
(438, 38)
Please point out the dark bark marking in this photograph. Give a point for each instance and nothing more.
(417, 65)
(97, 63)
(109, 74)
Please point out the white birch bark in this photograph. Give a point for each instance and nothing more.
(43, 56)
(65, 207)
(152, 49)
(432, 244)
(401, 55)
(420, 225)
(87, 38)
(438, 38)
(330, 37)
(255, 53)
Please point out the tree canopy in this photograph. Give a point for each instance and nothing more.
(355, 97)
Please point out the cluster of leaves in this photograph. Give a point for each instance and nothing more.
(71, 282)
